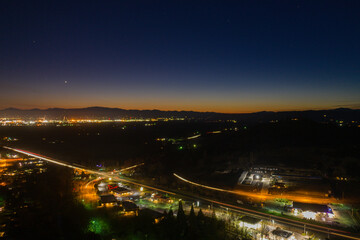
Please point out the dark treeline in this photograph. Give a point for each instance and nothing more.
(43, 206)
(192, 226)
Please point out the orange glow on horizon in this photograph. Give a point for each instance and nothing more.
(225, 110)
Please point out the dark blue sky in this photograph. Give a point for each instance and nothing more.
(226, 56)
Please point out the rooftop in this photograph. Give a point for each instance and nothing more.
(312, 207)
(108, 198)
(281, 233)
(129, 206)
(120, 190)
(250, 220)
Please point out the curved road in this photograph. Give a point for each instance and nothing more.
(283, 220)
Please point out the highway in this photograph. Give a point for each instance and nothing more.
(279, 219)
(261, 196)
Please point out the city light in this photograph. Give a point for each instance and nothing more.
(180, 120)
(57, 122)
(309, 215)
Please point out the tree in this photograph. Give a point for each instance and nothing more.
(244, 234)
(181, 214)
(170, 214)
(181, 220)
(200, 215)
(263, 228)
(192, 212)
(193, 231)
(51, 208)
(213, 215)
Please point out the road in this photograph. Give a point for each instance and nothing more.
(264, 196)
(279, 219)
(87, 191)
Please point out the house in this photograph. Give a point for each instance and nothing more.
(158, 198)
(250, 222)
(310, 210)
(157, 216)
(279, 234)
(108, 200)
(129, 208)
(121, 192)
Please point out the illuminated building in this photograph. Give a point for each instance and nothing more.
(121, 192)
(158, 198)
(108, 200)
(129, 208)
(310, 211)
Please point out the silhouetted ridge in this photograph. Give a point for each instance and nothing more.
(97, 112)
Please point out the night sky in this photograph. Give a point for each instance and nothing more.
(224, 56)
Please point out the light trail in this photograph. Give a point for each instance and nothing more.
(286, 221)
(283, 220)
(261, 214)
(11, 159)
(128, 168)
(193, 137)
(48, 159)
(203, 186)
(61, 163)
(92, 181)
(307, 199)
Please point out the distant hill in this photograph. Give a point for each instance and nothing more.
(99, 113)
(343, 114)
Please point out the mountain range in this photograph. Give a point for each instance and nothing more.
(344, 114)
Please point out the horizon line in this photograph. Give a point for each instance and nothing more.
(118, 108)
